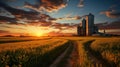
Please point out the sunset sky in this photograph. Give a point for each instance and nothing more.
(53, 17)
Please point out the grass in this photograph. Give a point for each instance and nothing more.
(20, 39)
(41, 52)
(27, 44)
(105, 50)
(84, 60)
(41, 56)
(109, 49)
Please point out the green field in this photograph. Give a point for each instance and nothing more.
(48, 51)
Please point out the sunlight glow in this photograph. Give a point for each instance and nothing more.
(29, 30)
(37, 31)
(38, 34)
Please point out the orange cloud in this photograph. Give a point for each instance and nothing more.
(111, 13)
(47, 5)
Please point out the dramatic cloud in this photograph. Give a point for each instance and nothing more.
(70, 18)
(63, 26)
(107, 25)
(67, 18)
(47, 5)
(111, 13)
(3, 12)
(81, 4)
(10, 14)
(4, 19)
(33, 21)
(13, 14)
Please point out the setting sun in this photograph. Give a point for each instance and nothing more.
(39, 34)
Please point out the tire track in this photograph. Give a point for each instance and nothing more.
(73, 59)
(57, 61)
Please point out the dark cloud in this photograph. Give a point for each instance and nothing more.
(47, 5)
(109, 25)
(15, 11)
(35, 18)
(112, 12)
(46, 20)
(81, 3)
(63, 26)
(18, 13)
(7, 19)
(30, 16)
(42, 24)
(67, 18)
(4, 12)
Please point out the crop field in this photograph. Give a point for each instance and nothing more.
(59, 52)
